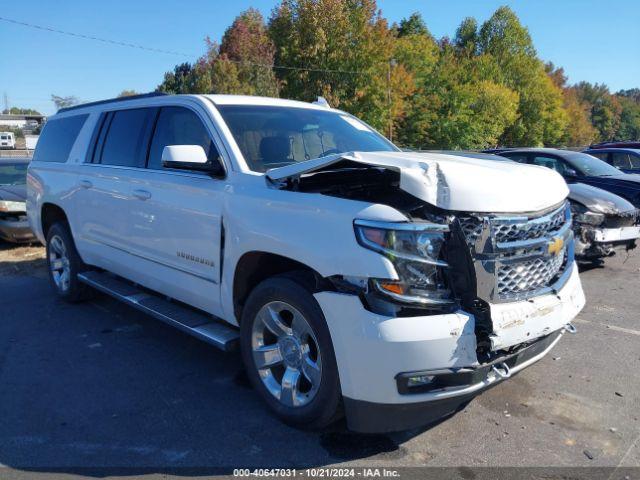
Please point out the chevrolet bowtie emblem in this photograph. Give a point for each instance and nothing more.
(554, 247)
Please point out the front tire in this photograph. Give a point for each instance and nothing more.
(65, 264)
(288, 353)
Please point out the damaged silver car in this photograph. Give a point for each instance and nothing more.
(603, 223)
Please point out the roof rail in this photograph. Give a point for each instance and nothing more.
(112, 100)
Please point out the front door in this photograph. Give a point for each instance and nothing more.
(175, 220)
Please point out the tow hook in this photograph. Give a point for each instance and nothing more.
(570, 328)
(502, 370)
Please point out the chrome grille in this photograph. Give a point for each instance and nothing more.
(528, 229)
(528, 276)
(512, 254)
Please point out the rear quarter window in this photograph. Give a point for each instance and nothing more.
(57, 139)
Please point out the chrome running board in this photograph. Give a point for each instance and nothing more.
(197, 323)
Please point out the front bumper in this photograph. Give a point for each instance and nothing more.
(614, 235)
(372, 350)
(16, 231)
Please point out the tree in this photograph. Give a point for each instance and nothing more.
(346, 47)
(241, 64)
(629, 118)
(21, 111)
(64, 102)
(127, 93)
(605, 109)
(466, 39)
(541, 118)
(414, 25)
(579, 131)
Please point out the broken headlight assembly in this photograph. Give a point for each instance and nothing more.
(414, 250)
(582, 214)
(9, 206)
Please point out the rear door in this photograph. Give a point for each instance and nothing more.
(104, 195)
(175, 217)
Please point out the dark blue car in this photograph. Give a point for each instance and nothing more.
(578, 167)
(626, 160)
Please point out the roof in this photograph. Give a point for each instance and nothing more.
(612, 149)
(216, 99)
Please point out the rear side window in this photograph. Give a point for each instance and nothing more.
(600, 155)
(516, 157)
(179, 126)
(550, 162)
(621, 160)
(57, 139)
(125, 143)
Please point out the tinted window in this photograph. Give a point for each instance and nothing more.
(625, 160)
(179, 126)
(275, 136)
(13, 173)
(550, 162)
(516, 157)
(600, 155)
(125, 143)
(590, 166)
(57, 138)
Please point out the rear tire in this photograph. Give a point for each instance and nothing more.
(65, 264)
(288, 354)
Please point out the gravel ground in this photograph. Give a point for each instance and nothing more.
(98, 384)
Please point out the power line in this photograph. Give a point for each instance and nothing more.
(91, 37)
(181, 54)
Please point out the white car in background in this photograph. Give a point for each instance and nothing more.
(357, 279)
(7, 140)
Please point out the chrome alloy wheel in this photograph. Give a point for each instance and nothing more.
(286, 354)
(59, 263)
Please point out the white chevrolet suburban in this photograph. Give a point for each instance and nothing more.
(390, 287)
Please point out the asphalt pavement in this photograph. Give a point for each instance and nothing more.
(99, 388)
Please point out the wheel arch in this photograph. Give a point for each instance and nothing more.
(51, 213)
(256, 266)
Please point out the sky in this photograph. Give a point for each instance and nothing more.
(593, 40)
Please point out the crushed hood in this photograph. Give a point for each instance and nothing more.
(453, 182)
(598, 200)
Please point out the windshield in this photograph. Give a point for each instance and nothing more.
(13, 174)
(591, 166)
(271, 137)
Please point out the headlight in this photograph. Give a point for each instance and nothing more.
(414, 249)
(582, 214)
(7, 206)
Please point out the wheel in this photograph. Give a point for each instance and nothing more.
(288, 354)
(64, 264)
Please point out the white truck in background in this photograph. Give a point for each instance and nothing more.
(357, 279)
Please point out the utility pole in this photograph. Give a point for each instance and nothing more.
(6, 102)
(392, 63)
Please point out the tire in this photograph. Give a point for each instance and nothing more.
(64, 264)
(316, 400)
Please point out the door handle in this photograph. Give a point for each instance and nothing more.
(86, 184)
(142, 194)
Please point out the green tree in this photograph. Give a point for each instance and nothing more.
(127, 93)
(347, 47)
(629, 128)
(541, 118)
(414, 25)
(605, 109)
(64, 102)
(21, 111)
(466, 39)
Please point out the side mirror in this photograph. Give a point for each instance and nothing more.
(570, 172)
(192, 158)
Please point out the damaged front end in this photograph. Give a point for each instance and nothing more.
(603, 223)
(448, 260)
